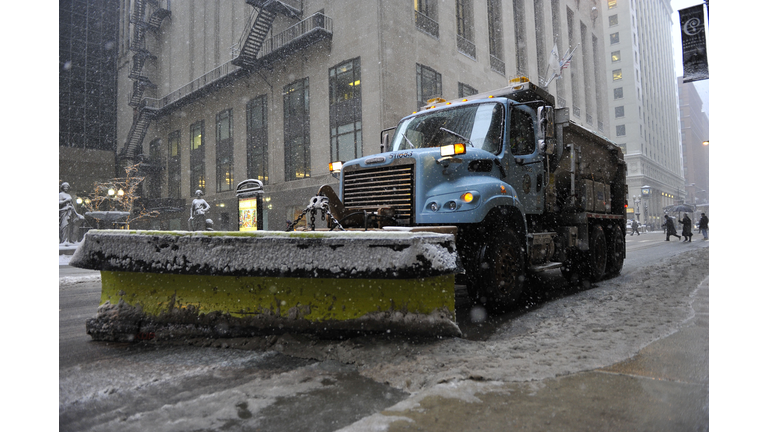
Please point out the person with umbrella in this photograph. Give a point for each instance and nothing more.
(669, 223)
(687, 233)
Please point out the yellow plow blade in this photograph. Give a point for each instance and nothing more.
(225, 284)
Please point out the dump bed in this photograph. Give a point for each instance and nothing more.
(591, 173)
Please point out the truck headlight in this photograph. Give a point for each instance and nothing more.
(434, 207)
(335, 167)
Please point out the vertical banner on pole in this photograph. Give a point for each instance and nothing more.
(695, 66)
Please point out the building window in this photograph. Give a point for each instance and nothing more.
(196, 157)
(614, 38)
(174, 165)
(619, 110)
(153, 180)
(613, 20)
(224, 152)
(465, 90)
(623, 148)
(296, 130)
(429, 84)
(496, 36)
(616, 56)
(257, 154)
(575, 93)
(618, 93)
(542, 50)
(612, 4)
(518, 10)
(616, 74)
(465, 28)
(621, 130)
(346, 111)
(426, 16)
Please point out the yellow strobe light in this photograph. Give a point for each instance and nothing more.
(453, 149)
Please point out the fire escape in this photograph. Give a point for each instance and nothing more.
(147, 16)
(254, 50)
(253, 38)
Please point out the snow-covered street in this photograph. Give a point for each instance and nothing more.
(209, 387)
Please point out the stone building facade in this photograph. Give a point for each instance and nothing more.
(213, 93)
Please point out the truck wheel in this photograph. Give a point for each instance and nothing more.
(615, 251)
(597, 255)
(502, 265)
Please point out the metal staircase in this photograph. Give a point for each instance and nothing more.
(147, 15)
(254, 36)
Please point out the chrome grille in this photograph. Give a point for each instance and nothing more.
(372, 188)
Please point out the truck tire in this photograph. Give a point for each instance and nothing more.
(597, 255)
(502, 269)
(616, 251)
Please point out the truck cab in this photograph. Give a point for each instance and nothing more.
(501, 168)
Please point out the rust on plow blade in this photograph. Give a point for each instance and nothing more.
(231, 284)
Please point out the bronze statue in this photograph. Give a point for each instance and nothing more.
(197, 212)
(69, 219)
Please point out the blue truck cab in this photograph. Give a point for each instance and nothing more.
(526, 188)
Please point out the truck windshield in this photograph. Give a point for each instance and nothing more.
(479, 125)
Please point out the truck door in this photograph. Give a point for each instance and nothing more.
(525, 165)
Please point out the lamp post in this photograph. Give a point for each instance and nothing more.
(636, 200)
(645, 192)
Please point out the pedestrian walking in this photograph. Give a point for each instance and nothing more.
(687, 233)
(634, 227)
(669, 224)
(704, 225)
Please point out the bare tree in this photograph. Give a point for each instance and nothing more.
(119, 195)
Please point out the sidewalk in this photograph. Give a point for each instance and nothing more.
(665, 387)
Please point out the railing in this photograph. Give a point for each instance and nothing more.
(316, 22)
(427, 24)
(497, 65)
(465, 46)
(294, 4)
(209, 78)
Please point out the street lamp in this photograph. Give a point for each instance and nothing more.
(636, 200)
(645, 192)
(706, 143)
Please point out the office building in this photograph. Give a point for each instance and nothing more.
(88, 50)
(213, 93)
(694, 132)
(642, 96)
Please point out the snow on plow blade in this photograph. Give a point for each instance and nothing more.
(171, 284)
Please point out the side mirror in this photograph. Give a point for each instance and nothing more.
(546, 121)
(385, 143)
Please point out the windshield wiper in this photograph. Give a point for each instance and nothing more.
(409, 141)
(466, 140)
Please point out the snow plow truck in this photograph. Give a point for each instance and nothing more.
(479, 191)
